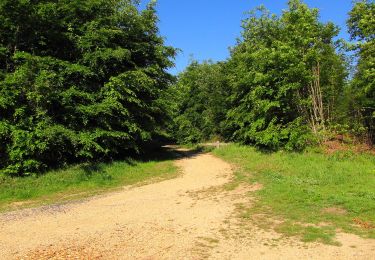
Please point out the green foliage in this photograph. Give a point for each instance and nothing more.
(200, 97)
(87, 80)
(308, 189)
(283, 81)
(362, 28)
(79, 80)
(271, 71)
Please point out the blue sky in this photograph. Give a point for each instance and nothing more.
(205, 29)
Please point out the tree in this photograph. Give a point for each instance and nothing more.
(362, 28)
(79, 80)
(285, 76)
(200, 95)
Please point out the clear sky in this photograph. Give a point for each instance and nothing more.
(205, 29)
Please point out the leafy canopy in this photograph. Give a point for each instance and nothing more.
(79, 80)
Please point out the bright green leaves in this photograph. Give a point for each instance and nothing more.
(361, 22)
(200, 98)
(283, 71)
(271, 70)
(362, 27)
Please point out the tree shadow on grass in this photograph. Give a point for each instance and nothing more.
(90, 169)
(167, 153)
(156, 154)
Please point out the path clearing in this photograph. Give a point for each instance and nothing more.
(190, 217)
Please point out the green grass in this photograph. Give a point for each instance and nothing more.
(314, 194)
(81, 181)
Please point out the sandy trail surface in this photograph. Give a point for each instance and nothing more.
(190, 217)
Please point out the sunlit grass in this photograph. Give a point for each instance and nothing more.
(80, 181)
(331, 192)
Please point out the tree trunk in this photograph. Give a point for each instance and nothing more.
(317, 118)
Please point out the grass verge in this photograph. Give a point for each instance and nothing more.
(82, 181)
(311, 195)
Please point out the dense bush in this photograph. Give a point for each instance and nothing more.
(79, 80)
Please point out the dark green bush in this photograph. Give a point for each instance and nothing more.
(79, 80)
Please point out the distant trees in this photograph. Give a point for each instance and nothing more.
(79, 80)
(200, 97)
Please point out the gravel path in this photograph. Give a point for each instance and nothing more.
(190, 217)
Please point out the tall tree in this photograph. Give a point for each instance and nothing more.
(362, 28)
(79, 80)
(285, 76)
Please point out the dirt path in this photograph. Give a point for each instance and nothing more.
(190, 217)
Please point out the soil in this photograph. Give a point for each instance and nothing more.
(190, 217)
(333, 146)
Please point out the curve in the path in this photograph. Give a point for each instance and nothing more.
(190, 217)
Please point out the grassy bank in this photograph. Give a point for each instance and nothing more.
(82, 180)
(311, 195)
